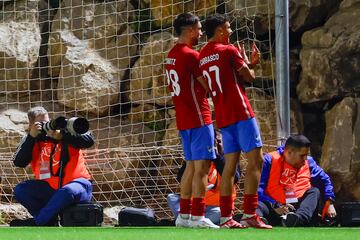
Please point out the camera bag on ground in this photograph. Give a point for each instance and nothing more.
(130, 216)
(82, 214)
(350, 214)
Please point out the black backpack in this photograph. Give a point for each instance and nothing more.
(82, 214)
(130, 216)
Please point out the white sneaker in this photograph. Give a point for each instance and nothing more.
(203, 222)
(182, 222)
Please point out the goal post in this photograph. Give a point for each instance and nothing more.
(104, 60)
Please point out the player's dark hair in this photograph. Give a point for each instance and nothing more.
(214, 21)
(184, 20)
(297, 141)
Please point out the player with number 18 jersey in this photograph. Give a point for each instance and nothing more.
(189, 97)
(193, 118)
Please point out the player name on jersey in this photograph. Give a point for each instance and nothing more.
(208, 59)
(170, 61)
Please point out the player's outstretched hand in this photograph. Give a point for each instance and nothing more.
(255, 55)
(242, 51)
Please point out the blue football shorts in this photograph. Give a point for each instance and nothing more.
(241, 136)
(198, 143)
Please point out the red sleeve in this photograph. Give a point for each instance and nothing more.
(236, 60)
(194, 64)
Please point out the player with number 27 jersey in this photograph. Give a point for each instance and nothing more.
(219, 64)
(189, 97)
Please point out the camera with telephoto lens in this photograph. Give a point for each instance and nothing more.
(77, 125)
(56, 124)
(74, 125)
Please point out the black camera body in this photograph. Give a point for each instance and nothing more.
(74, 125)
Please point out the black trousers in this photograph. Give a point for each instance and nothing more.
(306, 209)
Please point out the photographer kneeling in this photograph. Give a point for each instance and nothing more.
(59, 168)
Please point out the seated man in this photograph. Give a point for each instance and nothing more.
(291, 185)
(212, 210)
(59, 168)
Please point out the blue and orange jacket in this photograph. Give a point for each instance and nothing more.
(309, 175)
(35, 150)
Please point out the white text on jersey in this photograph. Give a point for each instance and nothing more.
(170, 61)
(208, 59)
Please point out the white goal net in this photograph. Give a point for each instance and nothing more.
(103, 60)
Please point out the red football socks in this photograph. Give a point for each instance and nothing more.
(198, 207)
(250, 203)
(185, 206)
(226, 206)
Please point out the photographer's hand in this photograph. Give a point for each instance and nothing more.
(282, 210)
(328, 210)
(35, 129)
(331, 211)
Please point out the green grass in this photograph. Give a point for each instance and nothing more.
(172, 233)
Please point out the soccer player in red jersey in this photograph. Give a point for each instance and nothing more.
(193, 118)
(226, 67)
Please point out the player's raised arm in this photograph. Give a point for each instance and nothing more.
(246, 71)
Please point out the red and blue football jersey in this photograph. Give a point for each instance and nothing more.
(219, 64)
(189, 97)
